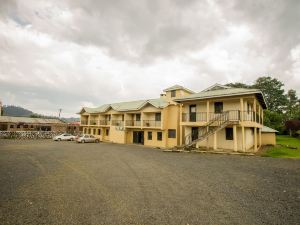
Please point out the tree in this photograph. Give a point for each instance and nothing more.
(274, 120)
(238, 85)
(292, 126)
(293, 105)
(273, 92)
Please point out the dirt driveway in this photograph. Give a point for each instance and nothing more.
(46, 182)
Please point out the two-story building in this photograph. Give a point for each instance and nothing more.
(219, 117)
(151, 122)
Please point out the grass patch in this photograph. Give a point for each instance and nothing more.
(287, 147)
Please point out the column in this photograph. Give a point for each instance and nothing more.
(259, 137)
(259, 114)
(215, 141)
(234, 138)
(242, 108)
(180, 124)
(254, 109)
(255, 139)
(243, 139)
(207, 111)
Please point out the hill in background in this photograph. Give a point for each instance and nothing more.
(12, 110)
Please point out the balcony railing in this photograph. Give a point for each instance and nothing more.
(233, 115)
(93, 122)
(104, 122)
(84, 122)
(133, 123)
(117, 123)
(151, 123)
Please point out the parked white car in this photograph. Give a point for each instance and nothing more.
(64, 137)
(87, 138)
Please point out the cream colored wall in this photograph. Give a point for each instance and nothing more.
(171, 121)
(268, 138)
(154, 142)
(117, 136)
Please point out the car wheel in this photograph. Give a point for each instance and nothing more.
(82, 141)
(59, 139)
(71, 139)
(96, 141)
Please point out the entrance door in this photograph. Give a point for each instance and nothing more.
(138, 137)
(195, 133)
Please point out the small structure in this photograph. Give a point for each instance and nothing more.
(11, 123)
(268, 136)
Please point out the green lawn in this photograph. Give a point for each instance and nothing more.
(282, 149)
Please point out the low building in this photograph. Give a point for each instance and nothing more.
(268, 136)
(11, 123)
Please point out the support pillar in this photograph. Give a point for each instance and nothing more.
(259, 137)
(243, 139)
(242, 109)
(255, 139)
(234, 138)
(207, 120)
(215, 141)
(180, 125)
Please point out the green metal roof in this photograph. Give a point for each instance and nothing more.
(127, 106)
(266, 129)
(207, 94)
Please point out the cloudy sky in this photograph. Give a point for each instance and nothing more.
(73, 53)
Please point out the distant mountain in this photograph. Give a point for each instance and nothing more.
(11, 110)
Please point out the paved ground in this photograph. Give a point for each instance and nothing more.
(45, 182)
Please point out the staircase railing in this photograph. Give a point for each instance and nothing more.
(217, 123)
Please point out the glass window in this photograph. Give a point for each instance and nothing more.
(99, 131)
(229, 133)
(149, 135)
(218, 107)
(138, 117)
(107, 132)
(171, 133)
(12, 126)
(173, 93)
(157, 116)
(159, 136)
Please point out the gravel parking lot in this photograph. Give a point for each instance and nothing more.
(46, 182)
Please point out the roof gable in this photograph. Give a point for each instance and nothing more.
(216, 87)
(178, 87)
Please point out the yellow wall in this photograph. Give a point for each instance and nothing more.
(268, 138)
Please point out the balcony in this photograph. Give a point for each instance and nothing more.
(119, 123)
(133, 123)
(84, 122)
(93, 122)
(104, 122)
(233, 115)
(151, 123)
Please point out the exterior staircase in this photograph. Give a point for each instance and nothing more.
(217, 123)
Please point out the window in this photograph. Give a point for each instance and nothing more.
(171, 133)
(26, 126)
(218, 107)
(122, 117)
(99, 131)
(89, 131)
(149, 135)
(173, 93)
(138, 117)
(12, 126)
(18, 126)
(31, 126)
(157, 116)
(107, 132)
(159, 136)
(229, 133)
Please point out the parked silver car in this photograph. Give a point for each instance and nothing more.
(64, 137)
(87, 138)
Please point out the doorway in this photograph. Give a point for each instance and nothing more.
(138, 137)
(195, 133)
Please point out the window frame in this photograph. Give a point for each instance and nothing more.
(171, 133)
(229, 133)
(173, 93)
(158, 116)
(219, 106)
(159, 136)
(149, 135)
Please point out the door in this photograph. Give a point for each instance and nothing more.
(192, 113)
(195, 133)
(138, 137)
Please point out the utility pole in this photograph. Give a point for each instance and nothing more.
(59, 113)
